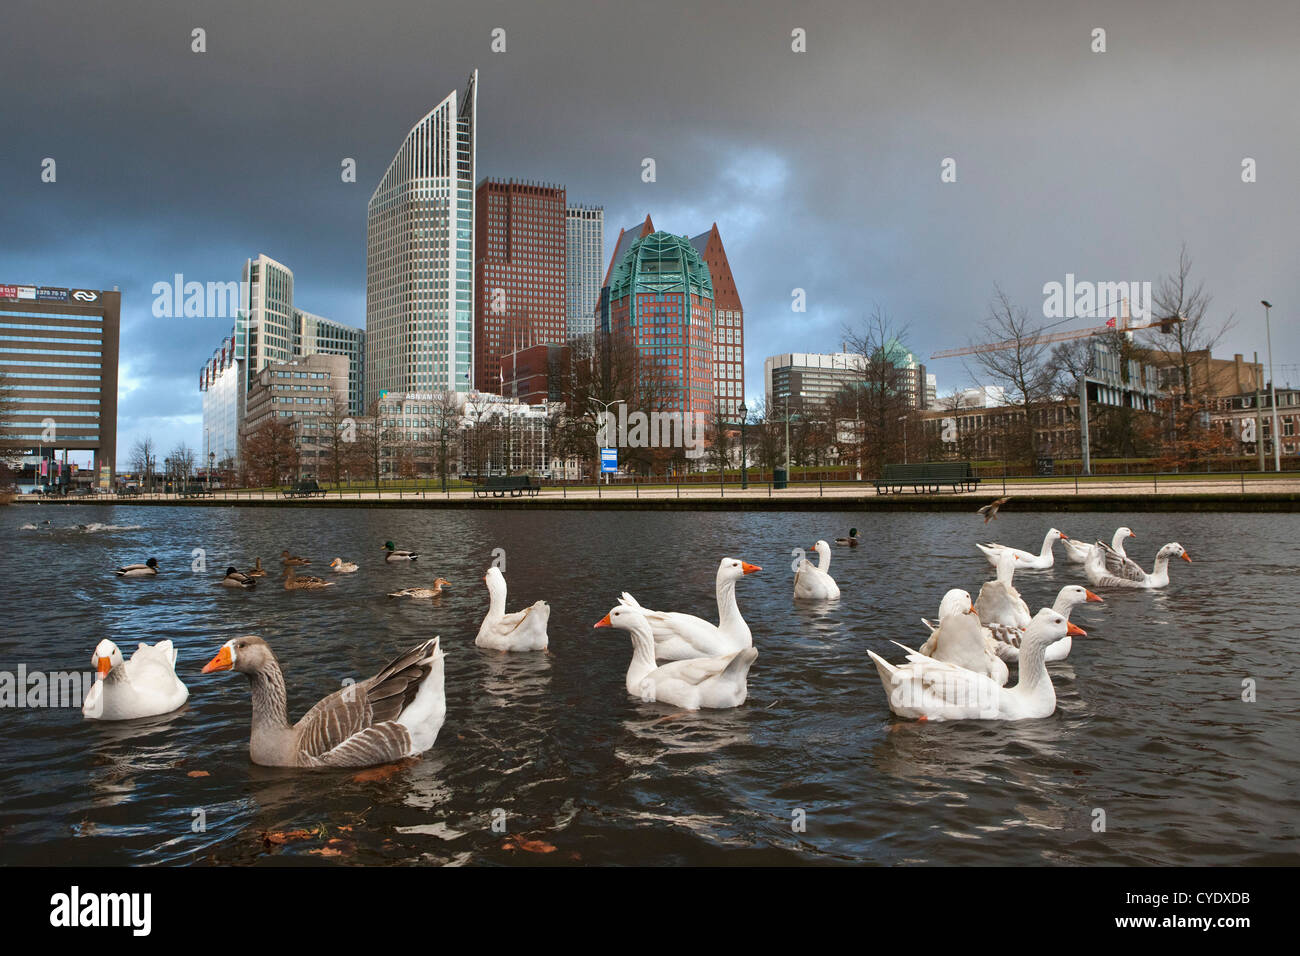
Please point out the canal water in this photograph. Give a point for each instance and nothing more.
(1153, 756)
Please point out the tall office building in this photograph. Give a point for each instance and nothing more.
(729, 327)
(317, 335)
(519, 269)
(584, 253)
(59, 352)
(419, 257)
(600, 316)
(264, 333)
(660, 297)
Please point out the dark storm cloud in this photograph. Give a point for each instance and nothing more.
(821, 168)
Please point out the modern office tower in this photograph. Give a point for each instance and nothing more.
(264, 333)
(317, 335)
(419, 257)
(222, 384)
(538, 374)
(584, 254)
(660, 298)
(519, 273)
(302, 394)
(805, 382)
(729, 330)
(600, 316)
(59, 355)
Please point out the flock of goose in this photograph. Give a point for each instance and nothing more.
(961, 672)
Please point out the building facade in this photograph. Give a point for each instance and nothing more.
(729, 328)
(420, 256)
(519, 269)
(306, 394)
(1247, 417)
(804, 383)
(537, 375)
(661, 300)
(59, 355)
(317, 335)
(584, 254)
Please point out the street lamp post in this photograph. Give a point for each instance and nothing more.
(212, 463)
(744, 460)
(604, 430)
(903, 419)
(1272, 388)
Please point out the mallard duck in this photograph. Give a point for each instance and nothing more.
(257, 570)
(147, 570)
(144, 686)
(851, 540)
(713, 682)
(990, 510)
(339, 566)
(287, 559)
(391, 716)
(236, 579)
(433, 592)
(521, 631)
(294, 583)
(392, 554)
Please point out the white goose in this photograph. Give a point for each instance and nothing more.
(521, 631)
(679, 637)
(1007, 639)
(1108, 568)
(1078, 551)
(926, 689)
(959, 639)
(815, 583)
(1041, 561)
(999, 603)
(712, 682)
(144, 686)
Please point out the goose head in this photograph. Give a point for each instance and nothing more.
(106, 657)
(1174, 550)
(336, 563)
(628, 618)
(1072, 594)
(733, 569)
(1048, 627)
(247, 654)
(955, 601)
(1122, 533)
(1007, 565)
(1057, 535)
(496, 581)
(822, 548)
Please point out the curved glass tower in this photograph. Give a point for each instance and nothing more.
(420, 257)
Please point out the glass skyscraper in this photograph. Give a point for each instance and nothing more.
(420, 257)
(584, 253)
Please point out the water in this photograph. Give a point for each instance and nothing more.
(1150, 726)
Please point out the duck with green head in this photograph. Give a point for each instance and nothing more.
(851, 540)
(391, 553)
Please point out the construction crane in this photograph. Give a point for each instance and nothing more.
(1123, 324)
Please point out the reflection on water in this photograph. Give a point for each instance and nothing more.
(546, 758)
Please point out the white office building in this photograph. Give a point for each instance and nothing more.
(584, 251)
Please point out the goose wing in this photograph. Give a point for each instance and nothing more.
(1119, 565)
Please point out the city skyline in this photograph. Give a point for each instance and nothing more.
(822, 168)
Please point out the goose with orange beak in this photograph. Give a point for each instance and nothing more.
(814, 582)
(394, 715)
(144, 686)
(927, 689)
(1044, 559)
(679, 636)
(714, 683)
(1108, 569)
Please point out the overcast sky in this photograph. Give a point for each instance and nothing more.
(821, 168)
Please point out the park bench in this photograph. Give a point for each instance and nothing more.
(304, 489)
(498, 486)
(197, 491)
(927, 477)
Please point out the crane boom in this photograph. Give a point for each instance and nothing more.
(1113, 326)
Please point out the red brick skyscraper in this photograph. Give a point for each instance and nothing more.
(728, 326)
(519, 248)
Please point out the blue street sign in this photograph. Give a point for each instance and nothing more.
(608, 460)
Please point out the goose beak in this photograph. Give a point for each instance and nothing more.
(1091, 596)
(748, 568)
(1074, 629)
(102, 666)
(1132, 535)
(1187, 557)
(222, 662)
(603, 622)
(972, 609)
(1064, 536)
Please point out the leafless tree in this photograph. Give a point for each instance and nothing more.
(878, 397)
(144, 460)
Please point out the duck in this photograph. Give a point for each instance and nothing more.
(1105, 567)
(236, 579)
(1007, 639)
(521, 631)
(999, 603)
(256, 571)
(851, 541)
(680, 637)
(927, 689)
(294, 583)
(144, 686)
(990, 510)
(392, 554)
(961, 639)
(288, 559)
(815, 583)
(716, 683)
(1041, 561)
(339, 566)
(433, 592)
(147, 570)
(394, 715)
(1078, 551)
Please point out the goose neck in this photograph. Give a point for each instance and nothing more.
(270, 699)
(643, 657)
